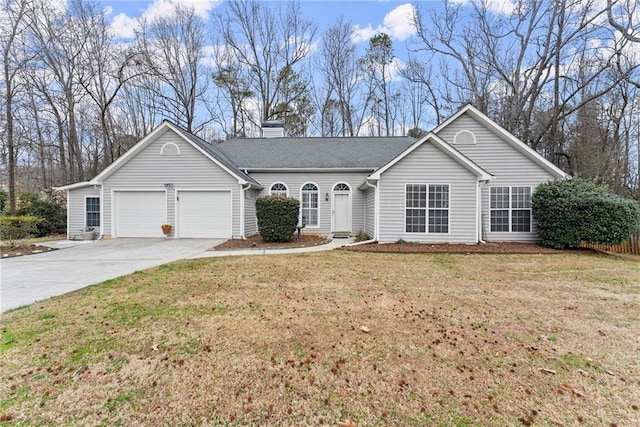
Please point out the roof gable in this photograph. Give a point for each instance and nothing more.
(206, 149)
(442, 146)
(506, 136)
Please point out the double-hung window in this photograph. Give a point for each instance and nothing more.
(92, 209)
(309, 205)
(510, 209)
(426, 208)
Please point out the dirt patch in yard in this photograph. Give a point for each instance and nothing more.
(256, 242)
(483, 248)
(8, 251)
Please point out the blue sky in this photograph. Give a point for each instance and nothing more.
(368, 16)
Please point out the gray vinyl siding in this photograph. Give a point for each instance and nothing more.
(325, 182)
(76, 205)
(149, 170)
(508, 166)
(250, 220)
(428, 165)
(370, 212)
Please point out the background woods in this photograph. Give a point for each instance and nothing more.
(561, 75)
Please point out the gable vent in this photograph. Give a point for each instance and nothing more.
(272, 129)
(464, 137)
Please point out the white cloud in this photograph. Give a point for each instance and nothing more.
(124, 26)
(498, 7)
(360, 35)
(398, 24)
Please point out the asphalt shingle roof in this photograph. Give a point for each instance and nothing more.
(217, 154)
(307, 153)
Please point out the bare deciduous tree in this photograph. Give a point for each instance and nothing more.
(172, 48)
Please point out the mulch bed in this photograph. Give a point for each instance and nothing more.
(484, 248)
(8, 252)
(256, 242)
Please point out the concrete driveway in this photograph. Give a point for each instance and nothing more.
(27, 279)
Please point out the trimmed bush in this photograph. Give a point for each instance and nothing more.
(17, 228)
(50, 209)
(277, 217)
(570, 211)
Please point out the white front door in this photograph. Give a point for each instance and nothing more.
(342, 212)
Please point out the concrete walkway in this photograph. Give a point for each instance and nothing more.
(27, 279)
(333, 244)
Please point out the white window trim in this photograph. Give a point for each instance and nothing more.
(510, 209)
(419, 233)
(318, 208)
(85, 211)
(282, 183)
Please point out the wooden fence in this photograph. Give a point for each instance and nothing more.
(631, 246)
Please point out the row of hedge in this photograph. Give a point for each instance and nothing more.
(572, 211)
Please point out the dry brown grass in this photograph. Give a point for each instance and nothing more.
(338, 338)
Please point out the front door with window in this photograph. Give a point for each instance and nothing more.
(341, 208)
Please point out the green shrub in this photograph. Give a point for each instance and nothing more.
(14, 229)
(50, 209)
(277, 217)
(4, 200)
(571, 211)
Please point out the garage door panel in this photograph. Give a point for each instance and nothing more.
(140, 213)
(204, 214)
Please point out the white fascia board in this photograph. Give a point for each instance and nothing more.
(73, 186)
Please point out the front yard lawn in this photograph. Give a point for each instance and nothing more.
(335, 338)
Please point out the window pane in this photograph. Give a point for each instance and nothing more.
(416, 221)
(279, 189)
(521, 220)
(416, 203)
(520, 197)
(438, 220)
(499, 220)
(309, 205)
(92, 211)
(439, 196)
(499, 197)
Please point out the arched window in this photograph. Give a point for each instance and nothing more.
(341, 187)
(309, 205)
(279, 189)
(464, 137)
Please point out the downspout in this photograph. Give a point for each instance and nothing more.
(101, 210)
(243, 195)
(479, 209)
(375, 212)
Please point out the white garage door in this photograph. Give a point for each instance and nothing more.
(140, 213)
(204, 214)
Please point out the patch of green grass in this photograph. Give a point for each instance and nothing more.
(44, 316)
(116, 365)
(123, 398)
(552, 338)
(79, 354)
(8, 340)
